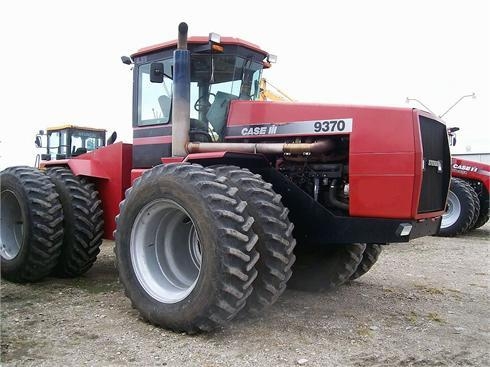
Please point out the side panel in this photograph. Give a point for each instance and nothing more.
(383, 173)
(150, 144)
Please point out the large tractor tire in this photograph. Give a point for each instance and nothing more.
(483, 215)
(327, 267)
(31, 231)
(185, 248)
(83, 223)
(276, 242)
(476, 202)
(369, 258)
(460, 209)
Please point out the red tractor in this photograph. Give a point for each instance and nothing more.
(202, 204)
(467, 202)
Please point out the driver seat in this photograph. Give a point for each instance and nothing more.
(217, 114)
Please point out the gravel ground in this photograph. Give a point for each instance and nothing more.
(422, 304)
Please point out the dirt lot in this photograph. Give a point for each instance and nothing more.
(424, 304)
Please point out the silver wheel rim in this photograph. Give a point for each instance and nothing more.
(453, 210)
(165, 251)
(12, 225)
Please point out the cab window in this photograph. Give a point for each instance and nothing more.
(154, 99)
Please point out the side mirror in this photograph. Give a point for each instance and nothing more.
(112, 138)
(126, 60)
(156, 72)
(452, 136)
(38, 142)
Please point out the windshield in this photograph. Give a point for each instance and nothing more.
(232, 75)
(86, 140)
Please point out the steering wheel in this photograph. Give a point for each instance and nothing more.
(203, 103)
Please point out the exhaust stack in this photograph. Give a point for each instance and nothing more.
(181, 95)
(319, 147)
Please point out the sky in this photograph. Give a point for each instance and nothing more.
(61, 59)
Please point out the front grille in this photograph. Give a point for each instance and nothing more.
(435, 150)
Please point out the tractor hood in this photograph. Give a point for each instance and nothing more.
(391, 150)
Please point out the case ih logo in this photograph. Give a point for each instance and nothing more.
(263, 130)
(462, 167)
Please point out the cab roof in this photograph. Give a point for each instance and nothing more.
(196, 41)
(69, 126)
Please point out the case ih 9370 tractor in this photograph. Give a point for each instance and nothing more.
(202, 204)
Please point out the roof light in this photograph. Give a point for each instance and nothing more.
(214, 37)
(272, 59)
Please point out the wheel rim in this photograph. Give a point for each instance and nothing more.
(165, 251)
(12, 225)
(453, 210)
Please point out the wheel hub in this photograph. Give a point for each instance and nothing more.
(453, 211)
(12, 225)
(165, 251)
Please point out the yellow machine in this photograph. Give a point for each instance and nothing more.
(266, 94)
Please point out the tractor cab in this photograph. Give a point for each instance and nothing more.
(69, 141)
(222, 69)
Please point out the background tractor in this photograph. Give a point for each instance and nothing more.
(467, 204)
(202, 204)
(66, 141)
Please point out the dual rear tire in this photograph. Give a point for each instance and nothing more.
(197, 246)
(51, 224)
(82, 225)
(185, 248)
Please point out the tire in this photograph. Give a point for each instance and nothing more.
(476, 203)
(83, 222)
(326, 267)
(369, 258)
(483, 216)
(276, 242)
(460, 210)
(191, 288)
(31, 230)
